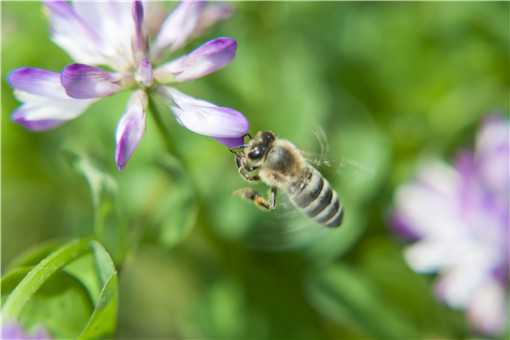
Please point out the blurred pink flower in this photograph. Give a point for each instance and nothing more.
(459, 217)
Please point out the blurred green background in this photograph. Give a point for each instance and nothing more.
(388, 84)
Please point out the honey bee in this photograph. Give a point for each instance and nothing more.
(281, 165)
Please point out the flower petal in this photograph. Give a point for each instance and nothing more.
(493, 155)
(139, 39)
(211, 15)
(178, 27)
(114, 24)
(458, 284)
(84, 81)
(130, 129)
(13, 331)
(401, 226)
(144, 74)
(231, 142)
(45, 102)
(205, 118)
(436, 190)
(487, 308)
(22, 117)
(73, 34)
(37, 81)
(209, 57)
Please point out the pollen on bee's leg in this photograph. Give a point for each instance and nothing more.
(253, 196)
(246, 193)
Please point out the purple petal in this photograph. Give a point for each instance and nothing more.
(36, 81)
(45, 102)
(211, 15)
(400, 226)
(203, 117)
(208, 58)
(178, 27)
(493, 156)
(139, 41)
(231, 142)
(84, 81)
(13, 331)
(130, 129)
(20, 117)
(144, 73)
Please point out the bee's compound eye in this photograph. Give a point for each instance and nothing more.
(267, 137)
(256, 153)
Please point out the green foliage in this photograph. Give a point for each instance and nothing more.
(345, 296)
(51, 295)
(109, 227)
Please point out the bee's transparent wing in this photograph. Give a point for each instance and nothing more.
(286, 228)
(320, 158)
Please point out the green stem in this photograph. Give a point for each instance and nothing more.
(162, 128)
(203, 215)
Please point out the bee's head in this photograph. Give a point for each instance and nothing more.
(257, 148)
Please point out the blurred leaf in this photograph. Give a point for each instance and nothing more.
(48, 294)
(11, 279)
(39, 274)
(35, 254)
(345, 296)
(381, 261)
(104, 318)
(221, 314)
(109, 227)
(62, 304)
(173, 213)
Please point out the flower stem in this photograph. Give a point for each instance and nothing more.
(162, 128)
(203, 217)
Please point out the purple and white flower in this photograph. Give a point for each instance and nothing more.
(114, 34)
(459, 217)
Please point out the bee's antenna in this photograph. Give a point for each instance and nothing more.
(248, 135)
(237, 150)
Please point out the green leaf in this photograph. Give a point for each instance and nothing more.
(11, 279)
(48, 294)
(62, 303)
(34, 255)
(103, 320)
(40, 274)
(347, 297)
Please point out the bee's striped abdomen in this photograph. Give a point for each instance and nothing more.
(319, 201)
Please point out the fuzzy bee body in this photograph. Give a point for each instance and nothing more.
(280, 164)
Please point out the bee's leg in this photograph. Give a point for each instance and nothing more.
(272, 197)
(247, 176)
(245, 173)
(257, 199)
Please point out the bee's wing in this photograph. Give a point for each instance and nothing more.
(324, 159)
(321, 157)
(286, 228)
